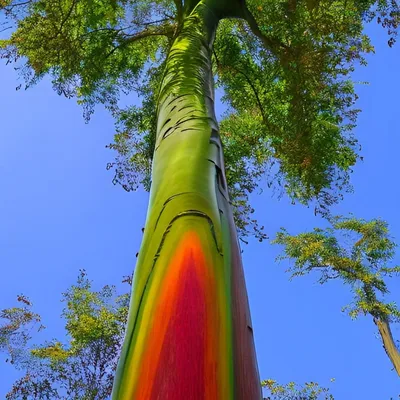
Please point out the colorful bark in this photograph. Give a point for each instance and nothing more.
(189, 333)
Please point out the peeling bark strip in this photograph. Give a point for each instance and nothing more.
(189, 334)
(388, 343)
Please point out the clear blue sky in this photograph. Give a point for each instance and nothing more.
(59, 212)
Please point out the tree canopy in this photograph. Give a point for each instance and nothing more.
(284, 68)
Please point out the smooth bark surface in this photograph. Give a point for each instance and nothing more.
(388, 343)
(189, 333)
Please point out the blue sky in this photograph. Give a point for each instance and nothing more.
(59, 212)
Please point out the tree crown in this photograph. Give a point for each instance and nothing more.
(284, 68)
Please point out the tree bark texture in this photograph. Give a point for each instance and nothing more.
(189, 334)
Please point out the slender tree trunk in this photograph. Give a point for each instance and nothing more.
(189, 334)
(388, 343)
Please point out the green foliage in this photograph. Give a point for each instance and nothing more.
(84, 366)
(17, 324)
(294, 83)
(292, 391)
(284, 66)
(134, 141)
(88, 48)
(354, 250)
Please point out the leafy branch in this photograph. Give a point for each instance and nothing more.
(362, 264)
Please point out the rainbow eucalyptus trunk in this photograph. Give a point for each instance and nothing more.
(189, 333)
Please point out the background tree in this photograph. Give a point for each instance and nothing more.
(93, 51)
(82, 367)
(357, 252)
(17, 325)
(292, 391)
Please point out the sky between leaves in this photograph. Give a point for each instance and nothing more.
(60, 212)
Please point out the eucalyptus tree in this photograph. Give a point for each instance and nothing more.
(357, 252)
(284, 67)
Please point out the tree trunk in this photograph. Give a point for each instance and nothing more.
(388, 343)
(189, 334)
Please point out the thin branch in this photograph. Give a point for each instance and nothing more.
(156, 22)
(165, 30)
(148, 32)
(67, 17)
(17, 4)
(112, 31)
(5, 29)
(109, 30)
(271, 44)
(64, 20)
(255, 91)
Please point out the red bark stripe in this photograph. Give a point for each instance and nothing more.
(180, 361)
(180, 372)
